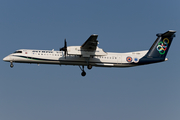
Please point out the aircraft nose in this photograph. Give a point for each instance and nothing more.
(7, 58)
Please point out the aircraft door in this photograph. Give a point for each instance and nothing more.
(119, 60)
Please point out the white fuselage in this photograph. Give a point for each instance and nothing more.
(57, 57)
(89, 54)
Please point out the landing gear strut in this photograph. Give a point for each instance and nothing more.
(11, 65)
(83, 72)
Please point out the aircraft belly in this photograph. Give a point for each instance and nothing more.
(125, 65)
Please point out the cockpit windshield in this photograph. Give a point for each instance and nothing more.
(18, 51)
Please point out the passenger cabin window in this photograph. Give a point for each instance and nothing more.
(18, 52)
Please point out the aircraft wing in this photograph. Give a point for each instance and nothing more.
(91, 43)
(88, 49)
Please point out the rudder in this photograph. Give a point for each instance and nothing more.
(161, 46)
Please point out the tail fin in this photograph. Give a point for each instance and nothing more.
(159, 49)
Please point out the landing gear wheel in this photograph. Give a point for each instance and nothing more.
(89, 67)
(11, 65)
(83, 73)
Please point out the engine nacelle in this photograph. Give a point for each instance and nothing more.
(76, 50)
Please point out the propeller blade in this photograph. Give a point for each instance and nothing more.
(65, 43)
(64, 48)
(65, 54)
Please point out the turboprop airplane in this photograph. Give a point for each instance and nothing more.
(89, 54)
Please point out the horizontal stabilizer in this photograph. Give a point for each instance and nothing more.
(167, 34)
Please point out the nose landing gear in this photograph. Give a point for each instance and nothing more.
(11, 65)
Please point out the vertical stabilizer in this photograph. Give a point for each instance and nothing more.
(159, 49)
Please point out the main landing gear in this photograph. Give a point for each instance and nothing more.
(11, 65)
(82, 69)
(83, 72)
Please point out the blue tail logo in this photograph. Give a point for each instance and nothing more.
(162, 46)
(159, 49)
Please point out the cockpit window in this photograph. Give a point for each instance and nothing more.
(18, 52)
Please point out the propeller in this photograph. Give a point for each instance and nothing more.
(64, 48)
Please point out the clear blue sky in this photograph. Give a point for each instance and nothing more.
(52, 92)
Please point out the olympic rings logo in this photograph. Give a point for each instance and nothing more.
(162, 46)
